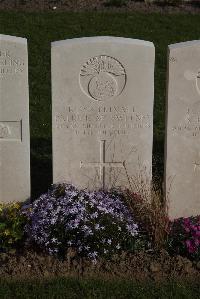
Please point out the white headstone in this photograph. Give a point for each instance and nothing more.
(103, 91)
(14, 120)
(182, 150)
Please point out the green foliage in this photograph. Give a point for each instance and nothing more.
(11, 225)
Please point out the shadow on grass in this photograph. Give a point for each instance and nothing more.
(41, 166)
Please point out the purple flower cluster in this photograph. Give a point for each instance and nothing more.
(94, 223)
(184, 236)
(192, 231)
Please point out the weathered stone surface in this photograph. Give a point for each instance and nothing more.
(103, 90)
(182, 170)
(14, 120)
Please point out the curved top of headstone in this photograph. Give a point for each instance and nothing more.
(96, 39)
(11, 38)
(184, 44)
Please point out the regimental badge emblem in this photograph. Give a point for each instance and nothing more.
(193, 76)
(102, 78)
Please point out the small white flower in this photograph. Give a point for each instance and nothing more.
(97, 226)
(134, 233)
(53, 221)
(118, 246)
(94, 215)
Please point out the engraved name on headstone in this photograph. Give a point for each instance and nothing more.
(182, 149)
(103, 90)
(14, 120)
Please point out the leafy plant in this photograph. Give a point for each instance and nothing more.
(94, 223)
(12, 224)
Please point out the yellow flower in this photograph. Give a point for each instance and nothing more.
(16, 205)
(6, 232)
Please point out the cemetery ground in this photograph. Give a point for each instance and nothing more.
(41, 29)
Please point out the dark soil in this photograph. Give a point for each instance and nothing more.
(137, 267)
(99, 5)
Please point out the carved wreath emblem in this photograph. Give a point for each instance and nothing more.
(102, 77)
(4, 131)
(193, 76)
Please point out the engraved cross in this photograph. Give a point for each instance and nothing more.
(197, 162)
(196, 165)
(102, 164)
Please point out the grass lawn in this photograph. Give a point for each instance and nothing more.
(87, 289)
(42, 28)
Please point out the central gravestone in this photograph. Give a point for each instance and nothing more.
(102, 89)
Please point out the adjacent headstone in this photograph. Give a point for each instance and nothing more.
(103, 91)
(182, 151)
(14, 120)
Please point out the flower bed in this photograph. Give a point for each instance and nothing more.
(94, 223)
(79, 227)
